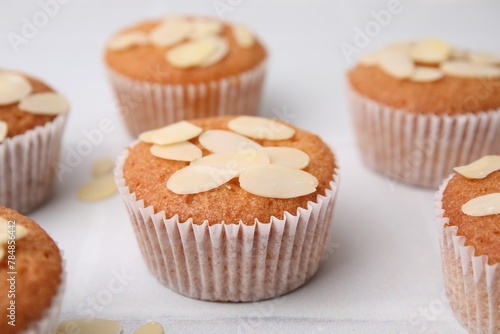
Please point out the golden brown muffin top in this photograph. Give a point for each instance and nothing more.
(483, 233)
(429, 77)
(19, 121)
(39, 267)
(148, 62)
(147, 176)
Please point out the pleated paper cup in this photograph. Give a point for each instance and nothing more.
(49, 321)
(145, 106)
(231, 262)
(472, 285)
(27, 166)
(420, 149)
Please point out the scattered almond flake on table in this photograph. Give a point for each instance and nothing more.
(97, 189)
(13, 87)
(244, 36)
(470, 70)
(260, 128)
(431, 51)
(221, 141)
(47, 103)
(89, 326)
(483, 205)
(170, 31)
(103, 167)
(221, 50)
(287, 156)
(197, 179)
(183, 151)
(128, 40)
(150, 328)
(276, 181)
(480, 168)
(426, 74)
(192, 53)
(171, 134)
(485, 57)
(4, 128)
(202, 27)
(236, 161)
(397, 65)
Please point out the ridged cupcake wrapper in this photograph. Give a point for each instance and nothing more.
(50, 319)
(421, 149)
(27, 166)
(472, 285)
(145, 106)
(231, 262)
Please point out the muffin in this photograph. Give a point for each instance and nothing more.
(468, 212)
(32, 117)
(243, 200)
(32, 264)
(176, 68)
(421, 108)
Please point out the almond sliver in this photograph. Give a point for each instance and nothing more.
(220, 141)
(287, 156)
(197, 179)
(4, 128)
(192, 53)
(183, 151)
(45, 104)
(260, 128)
(171, 134)
(481, 168)
(13, 87)
(237, 161)
(128, 40)
(483, 205)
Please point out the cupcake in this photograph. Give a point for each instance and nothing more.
(32, 117)
(230, 208)
(164, 71)
(468, 212)
(32, 266)
(419, 109)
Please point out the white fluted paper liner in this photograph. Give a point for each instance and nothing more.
(27, 166)
(145, 106)
(472, 285)
(420, 149)
(49, 321)
(231, 262)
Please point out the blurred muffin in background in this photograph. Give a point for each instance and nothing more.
(176, 68)
(32, 118)
(421, 108)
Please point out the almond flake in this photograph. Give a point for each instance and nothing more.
(90, 326)
(48, 103)
(260, 128)
(481, 168)
(97, 189)
(171, 134)
(426, 74)
(431, 51)
(397, 65)
(465, 69)
(4, 128)
(287, 156)
(170, 32)
(13, 87)
(221, 141)
(205, 27)
(276, 181)
(21, 231)
(403, 48)
(369, 58)
(221, 50)
(237, 161)
(485, 58)
(103, 167)
(183, 151)
(483, 205)
(243, 36)
(128, 40)
(150, 328)
(192, 53)
(197, 179)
